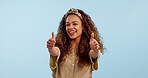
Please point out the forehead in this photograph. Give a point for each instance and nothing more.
(73, 17)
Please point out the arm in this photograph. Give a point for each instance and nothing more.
(54, 51)
(94, 54)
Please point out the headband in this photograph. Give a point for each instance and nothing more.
(73, 11)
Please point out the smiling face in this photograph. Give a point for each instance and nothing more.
(74, 26)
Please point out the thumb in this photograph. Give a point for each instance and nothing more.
(92, 36)
(52, 34)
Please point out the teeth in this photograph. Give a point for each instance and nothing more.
(72, 32)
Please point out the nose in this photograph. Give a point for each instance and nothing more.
(70, 27)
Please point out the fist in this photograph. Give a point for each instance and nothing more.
(51, 42)
(93, 43)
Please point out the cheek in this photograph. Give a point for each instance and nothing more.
(79, 28)
(66, 29)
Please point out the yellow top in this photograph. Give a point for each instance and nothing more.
(69, 68)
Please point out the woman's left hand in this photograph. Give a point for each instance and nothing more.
(94, 44)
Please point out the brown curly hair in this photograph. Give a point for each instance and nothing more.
(63, 41)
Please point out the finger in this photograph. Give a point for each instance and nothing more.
(51, 40)
(95, 42)
(92, 36)
(50, 46)
(95, 45)
(98, 46)
(50, 43)
(52, 34)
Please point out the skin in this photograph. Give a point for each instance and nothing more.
(74, 24)
(74, 30)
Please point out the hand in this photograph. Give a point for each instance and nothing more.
(93, 43)
(51, 42)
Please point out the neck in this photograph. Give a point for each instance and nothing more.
(75, 43)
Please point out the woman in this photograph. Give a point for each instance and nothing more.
(76, 48)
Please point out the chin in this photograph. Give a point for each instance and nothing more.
(72, 38)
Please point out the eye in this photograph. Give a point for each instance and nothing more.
(75, 24)
(67, 24)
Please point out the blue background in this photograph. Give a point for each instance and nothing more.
(26, 25)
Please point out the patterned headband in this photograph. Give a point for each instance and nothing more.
(73, 11)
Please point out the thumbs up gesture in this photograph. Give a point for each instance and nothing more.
(51, 42)
(93, 43)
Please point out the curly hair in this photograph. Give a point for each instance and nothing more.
(63, 41)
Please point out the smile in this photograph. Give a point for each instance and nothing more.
(71, 32)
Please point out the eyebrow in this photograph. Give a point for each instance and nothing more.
(72, 21)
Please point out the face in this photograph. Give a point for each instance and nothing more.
(74, 26)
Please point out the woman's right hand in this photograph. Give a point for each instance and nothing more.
(51, 42)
